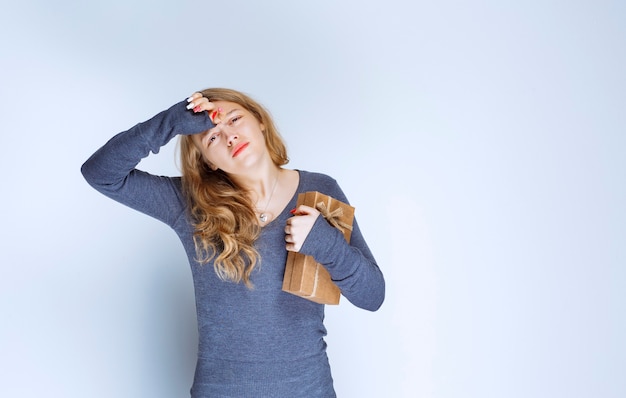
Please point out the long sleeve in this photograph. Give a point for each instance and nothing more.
(111, 169)
(351, 265)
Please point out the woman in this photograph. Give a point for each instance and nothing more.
(234, 211)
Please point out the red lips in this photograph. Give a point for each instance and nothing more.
(239, 147)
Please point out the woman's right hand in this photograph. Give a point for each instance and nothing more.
(199, 103)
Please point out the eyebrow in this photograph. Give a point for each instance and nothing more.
(234, 110)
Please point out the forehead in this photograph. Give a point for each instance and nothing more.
(227, 106)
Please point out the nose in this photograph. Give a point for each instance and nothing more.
(232, 137)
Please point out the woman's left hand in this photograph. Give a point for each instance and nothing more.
(298, 227)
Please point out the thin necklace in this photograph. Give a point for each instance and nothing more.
(263, 216)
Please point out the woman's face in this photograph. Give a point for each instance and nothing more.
(236, 143)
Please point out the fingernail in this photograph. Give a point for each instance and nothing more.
(293, 211)
(213, 115)
(189, 106)
(197, 109)
(189, 99)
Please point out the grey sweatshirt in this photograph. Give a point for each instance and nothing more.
(259, 342)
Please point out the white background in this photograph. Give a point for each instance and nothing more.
(482, 143)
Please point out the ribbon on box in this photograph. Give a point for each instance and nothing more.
(333, 216)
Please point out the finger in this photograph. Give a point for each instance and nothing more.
(193, 100)
(300, 210)
(194, 96)
(304, 210)
(292, 247)
(215, 115)
(201, 104)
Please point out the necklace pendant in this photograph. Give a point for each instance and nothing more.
(263, 217)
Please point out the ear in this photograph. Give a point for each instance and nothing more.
(262, 127)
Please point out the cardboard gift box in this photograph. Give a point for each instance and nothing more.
(304, 276)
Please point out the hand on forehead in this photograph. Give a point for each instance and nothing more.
(222, 111)
(217, 110)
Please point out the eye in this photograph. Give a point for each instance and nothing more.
(210, 138)
(234, 119)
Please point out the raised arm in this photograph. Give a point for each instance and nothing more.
(112, 169)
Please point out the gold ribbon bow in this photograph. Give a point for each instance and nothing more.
(333, 216)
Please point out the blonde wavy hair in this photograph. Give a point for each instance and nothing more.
(222, 213)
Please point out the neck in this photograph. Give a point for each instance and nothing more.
(260, 184)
